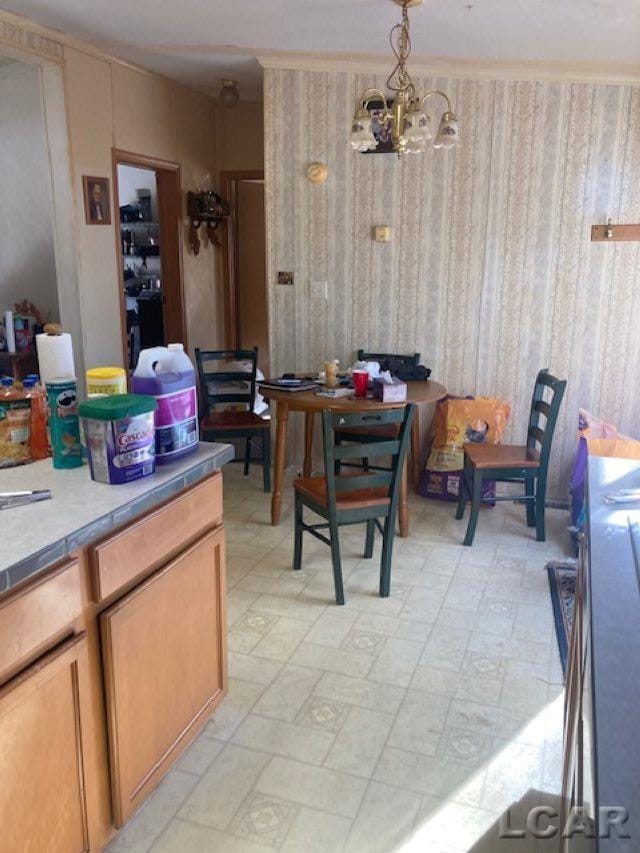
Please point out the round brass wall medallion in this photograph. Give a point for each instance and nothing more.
(317, 173)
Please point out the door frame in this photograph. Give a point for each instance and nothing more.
(169, 186)
(229, 191)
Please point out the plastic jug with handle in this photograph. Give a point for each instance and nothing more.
(167, 374)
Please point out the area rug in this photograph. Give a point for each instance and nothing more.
(562, 583)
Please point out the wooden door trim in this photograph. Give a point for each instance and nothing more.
(170, 208)
(228, 184)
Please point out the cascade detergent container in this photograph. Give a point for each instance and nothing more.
(167, 374)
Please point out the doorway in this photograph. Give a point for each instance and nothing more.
(147, 194)
(244, 262)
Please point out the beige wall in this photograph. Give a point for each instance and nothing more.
(240, 138)
(491, 274)
(110, 105)
(27, 258)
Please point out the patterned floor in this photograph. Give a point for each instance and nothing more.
(411, 723)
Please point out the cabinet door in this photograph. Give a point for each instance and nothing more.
(42, 804)
(164, 656)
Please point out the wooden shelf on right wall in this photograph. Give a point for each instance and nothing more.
(617, 233)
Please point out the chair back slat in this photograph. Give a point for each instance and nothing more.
(371, 450)
(537, 433)
(410, 360)
(351, 482)
(545, 405)
(396, 448)
(225, 377)
(219, 385)
(542, 407)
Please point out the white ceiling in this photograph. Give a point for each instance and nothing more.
(200, 41)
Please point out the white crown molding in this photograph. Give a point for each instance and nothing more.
(17, 37)
(483, 69)
(22, 38)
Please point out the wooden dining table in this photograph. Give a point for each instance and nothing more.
(418, 392)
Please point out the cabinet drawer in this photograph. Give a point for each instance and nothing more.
(163, 647)
(150, 542)
(37, 616)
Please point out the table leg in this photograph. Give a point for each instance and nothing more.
(282, 415)
(415, 449)
(403, 509)
(308, 443)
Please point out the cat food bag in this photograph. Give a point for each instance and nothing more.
(460, 420)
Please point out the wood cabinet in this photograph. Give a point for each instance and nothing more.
(164, 664)
(43, 805)
(110, 664)
(37, 616)
(149, 543)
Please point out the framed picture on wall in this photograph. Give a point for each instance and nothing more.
(381, 132)
(97, 203)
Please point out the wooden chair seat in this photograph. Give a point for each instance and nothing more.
(234, 420)
(315, 488)
(501, 456)
(525, 464)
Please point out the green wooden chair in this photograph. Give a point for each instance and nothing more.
(372, 434)
(219, 385)
(505, 463)
(355, 498)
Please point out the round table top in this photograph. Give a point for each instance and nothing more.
(419, 392)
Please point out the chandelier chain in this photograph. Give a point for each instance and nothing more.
(400, 40)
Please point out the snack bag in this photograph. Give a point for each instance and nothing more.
(15, 430)
(460, 420)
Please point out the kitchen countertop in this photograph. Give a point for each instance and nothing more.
(81, 511)
(615, 641)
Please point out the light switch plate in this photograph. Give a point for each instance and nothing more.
(382, 234)
(320, 289)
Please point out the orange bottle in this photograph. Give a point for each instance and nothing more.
(38, 440)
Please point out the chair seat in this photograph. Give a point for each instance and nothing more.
(315, 488)
(233, 420)
(387, 431)
(501, 456)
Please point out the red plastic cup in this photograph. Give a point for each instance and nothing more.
(360, 382)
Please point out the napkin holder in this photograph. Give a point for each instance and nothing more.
(389, 390)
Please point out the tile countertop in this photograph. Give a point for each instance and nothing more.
(81, 511)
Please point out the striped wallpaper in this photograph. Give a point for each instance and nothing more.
(490, 273)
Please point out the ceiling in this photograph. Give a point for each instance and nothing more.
(199, 41)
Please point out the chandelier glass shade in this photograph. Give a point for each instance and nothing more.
(406, 116)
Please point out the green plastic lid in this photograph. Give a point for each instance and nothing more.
(117, 406)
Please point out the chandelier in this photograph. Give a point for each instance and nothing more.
(406, 118)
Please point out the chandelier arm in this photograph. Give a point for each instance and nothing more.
(437, 92)
(374, 95)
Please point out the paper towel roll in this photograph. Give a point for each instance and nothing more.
(9, 331)
(55, 356)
